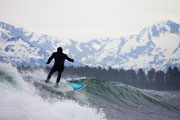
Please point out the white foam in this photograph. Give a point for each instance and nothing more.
(27, 105)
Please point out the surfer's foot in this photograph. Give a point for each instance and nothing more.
(46, 81)
(56, 85)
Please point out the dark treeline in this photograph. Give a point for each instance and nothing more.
(156, 80)
(152, 79)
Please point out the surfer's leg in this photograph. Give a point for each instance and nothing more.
(49, 75)
(59, 75)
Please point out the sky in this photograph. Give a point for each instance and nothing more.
(84, 20)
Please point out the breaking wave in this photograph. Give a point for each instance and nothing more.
(20, 98)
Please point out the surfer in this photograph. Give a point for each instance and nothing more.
(59, 58)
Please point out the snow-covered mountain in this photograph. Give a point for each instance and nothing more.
(156, 46)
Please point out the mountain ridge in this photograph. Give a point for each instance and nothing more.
(156, 46)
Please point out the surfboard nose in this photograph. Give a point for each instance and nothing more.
(76, 86)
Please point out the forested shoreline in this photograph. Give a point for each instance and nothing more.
(152, 79)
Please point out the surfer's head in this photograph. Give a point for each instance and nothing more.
(59, 49)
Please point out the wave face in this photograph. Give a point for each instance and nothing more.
(20, 98)
(123, 102)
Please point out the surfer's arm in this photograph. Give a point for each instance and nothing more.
(50, 58)
(69, 59)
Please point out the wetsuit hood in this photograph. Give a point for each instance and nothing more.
(59, 50)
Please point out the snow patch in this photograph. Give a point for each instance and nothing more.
(96, 46)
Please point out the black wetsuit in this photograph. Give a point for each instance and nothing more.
(59, 58)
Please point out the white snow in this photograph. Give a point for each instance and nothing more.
(78, 47)
(21, 50)
(83, 59)
(96, 46)
(3, 30)
(66, 51)
(168, 43)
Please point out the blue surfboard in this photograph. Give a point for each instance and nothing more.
(63, 86)
(76, 86)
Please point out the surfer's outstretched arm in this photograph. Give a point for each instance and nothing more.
(69, 59)
(50, 58)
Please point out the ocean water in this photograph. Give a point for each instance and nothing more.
(21, 99)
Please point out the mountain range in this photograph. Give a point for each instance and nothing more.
(156, 46)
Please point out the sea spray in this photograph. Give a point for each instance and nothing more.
(22, 102)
